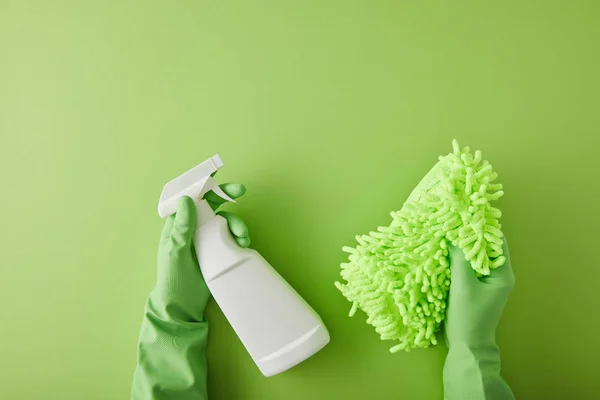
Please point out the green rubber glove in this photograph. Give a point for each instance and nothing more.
(171, 361)
(472, 368)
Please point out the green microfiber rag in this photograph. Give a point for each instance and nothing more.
(400, 276)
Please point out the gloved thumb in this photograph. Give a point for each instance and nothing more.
(184, 223)
(461, 271)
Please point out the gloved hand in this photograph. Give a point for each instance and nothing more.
(172, 344)
(472, 368)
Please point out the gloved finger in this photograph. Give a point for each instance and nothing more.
(460, 269)
(166, 232)
(504, 274)
(238, 228)
(184, 223)
(243, 241)
(233, 190)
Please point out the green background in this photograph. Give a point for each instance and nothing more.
(330, 112)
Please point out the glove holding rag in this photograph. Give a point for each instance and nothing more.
(400, 275)
(472, 368)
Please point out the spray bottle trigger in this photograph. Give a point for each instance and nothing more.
(212, 185)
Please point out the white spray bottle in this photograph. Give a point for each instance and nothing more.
(277, 327)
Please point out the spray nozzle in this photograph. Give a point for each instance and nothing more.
(194, 183)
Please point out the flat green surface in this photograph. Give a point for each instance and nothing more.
(330, 112)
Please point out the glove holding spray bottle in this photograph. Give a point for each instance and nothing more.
(277, 327)
(171, 360)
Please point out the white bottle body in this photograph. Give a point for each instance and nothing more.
(277, 327)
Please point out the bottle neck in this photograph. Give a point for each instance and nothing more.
(204, 213)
